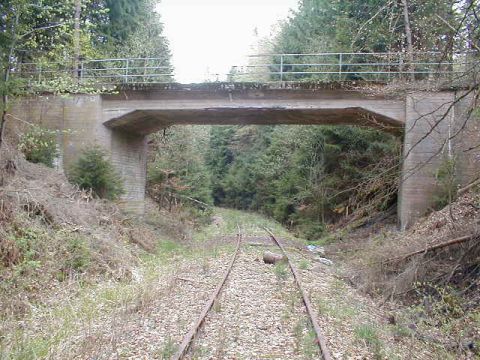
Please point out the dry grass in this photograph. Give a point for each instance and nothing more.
(386, 270)
(440, 287)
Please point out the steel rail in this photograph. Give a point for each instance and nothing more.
(321, 341)
(188, 338)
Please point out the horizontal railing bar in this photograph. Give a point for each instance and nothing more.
(365, 54)
(333, 66)
(350, 64)
(127, 76)
(347, 72)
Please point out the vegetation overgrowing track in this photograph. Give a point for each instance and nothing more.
(189, 338)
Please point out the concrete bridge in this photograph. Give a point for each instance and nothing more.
(433, 125)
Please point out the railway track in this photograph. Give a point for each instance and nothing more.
(190, 337)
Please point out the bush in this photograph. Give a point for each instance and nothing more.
(39, 145)
(78, 257)
(447, 185)
(92, 171)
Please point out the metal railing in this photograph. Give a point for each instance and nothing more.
(382, 67)
(100, 71)
(322, 67)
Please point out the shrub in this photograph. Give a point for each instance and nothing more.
(78, 258)
(93, 171)
(39, 145)
(446, 183)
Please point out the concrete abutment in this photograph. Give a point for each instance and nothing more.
(440, 130)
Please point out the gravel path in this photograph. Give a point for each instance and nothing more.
(259, 315)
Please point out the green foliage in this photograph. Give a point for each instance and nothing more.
(281, 270)
(369, 334)
(179, 169)
(42, 32)
(28, 242)
(301, 176)
(447, 184)
(39, 145)
(78, 255)
(93, 171)
(364, 26)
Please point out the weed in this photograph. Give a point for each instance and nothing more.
(304, 264)
(281, 271)
(305, 339)
(78, 256)
(369, 334)
(401, 331)
(217, 306)
(39, 145)
(169, 348)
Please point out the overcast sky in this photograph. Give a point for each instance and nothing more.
(209, 36)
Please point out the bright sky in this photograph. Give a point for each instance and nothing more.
(208, 37)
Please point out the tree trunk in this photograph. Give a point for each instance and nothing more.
(6, 76)
(76, 39)
(408, 37)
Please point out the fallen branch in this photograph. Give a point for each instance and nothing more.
(434, 247)
(463, 190)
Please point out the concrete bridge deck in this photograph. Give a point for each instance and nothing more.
(147, 111)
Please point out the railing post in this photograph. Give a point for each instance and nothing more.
(144, 78)
(340, 60)
(40, 73)
(81, 71)
(281, 68)
(400, 66)
(125, 80)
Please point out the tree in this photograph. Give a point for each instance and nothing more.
(93, 171)
(48, 31)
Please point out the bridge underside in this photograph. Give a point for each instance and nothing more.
(144, 112)
(144, 122)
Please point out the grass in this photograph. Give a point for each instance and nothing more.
(368, 333)
(304, 264)
(305, 339)
(281, 270)
(48, 328)
(252, 225)
(89, 304)
(168, 349)
(336, 309)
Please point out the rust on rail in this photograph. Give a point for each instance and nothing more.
(322, 344)
(187, 340)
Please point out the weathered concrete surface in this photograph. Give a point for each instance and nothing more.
(439, 127)
(119, 123)
(143, 112)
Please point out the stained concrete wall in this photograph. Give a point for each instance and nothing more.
(80, 119)
(439, 127)
(129, 156)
